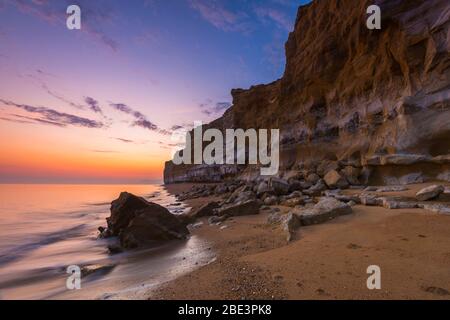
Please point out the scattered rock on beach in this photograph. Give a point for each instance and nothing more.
(290, 225)
(429, 193)
(326, 209)
(334, 180)
(245, 208)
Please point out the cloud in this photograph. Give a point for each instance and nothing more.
(223, 19)
(61, 98)
(140, 119)
(209, 108)
(104, 151)
(123, 140)
(278, 17)
(93, 104)
(94, 15)
(51, 116)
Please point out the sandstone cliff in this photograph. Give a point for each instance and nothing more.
(350, 96)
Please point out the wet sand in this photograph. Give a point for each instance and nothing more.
(327, 261)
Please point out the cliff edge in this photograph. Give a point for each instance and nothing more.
(374, 100)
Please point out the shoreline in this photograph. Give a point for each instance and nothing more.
(326, 261)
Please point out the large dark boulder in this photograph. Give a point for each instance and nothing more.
(123, 211)
(138, 222)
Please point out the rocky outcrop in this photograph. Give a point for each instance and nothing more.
(138, 222)
(372, 99)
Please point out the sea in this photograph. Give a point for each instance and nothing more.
(44, 229)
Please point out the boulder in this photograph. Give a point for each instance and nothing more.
(312, 178)
(245, 208)
(430, 192)
(274, 218)
(279, 186)
(334, 180)
(151, 225)
(351, 174)
(316, 189)
(205, 210)
(327, 166)
(271, 200)
(326, 209)
(295, 185)
(123, 211)
(262, 188)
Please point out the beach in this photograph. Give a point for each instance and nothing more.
(326, 261)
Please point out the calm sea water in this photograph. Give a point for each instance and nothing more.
(45, 228)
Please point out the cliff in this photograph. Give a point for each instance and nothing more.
(378, 99)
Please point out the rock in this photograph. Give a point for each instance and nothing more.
(115, 248)
(262, 188)
(387, 189)
(316, 189)
(221, 189)
(96, 268)
(411, 178)
(279, 186)
(305, 184)
(312, 178)
(370, 200)
(271, 200)
(437, 208)
(123, 211)
(274, 218)
(403, 159)
(334, 180)
(327, 166)
(351, 174)
(205, 210)
(151, 225)
(245, 208)
(399, 101)
(429, 193)
(341, 197)
(393, 204)
(292, 202)
(326, 209)
(290, 224)
(295, 185)
(217, 219)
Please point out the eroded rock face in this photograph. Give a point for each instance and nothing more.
(374, 98)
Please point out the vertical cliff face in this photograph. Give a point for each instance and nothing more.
(377, 98)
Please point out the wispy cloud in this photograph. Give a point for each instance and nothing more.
(209, 108)
(93, 104)
(140, 120)
(123, 140)
(94, 16)
(276, 16)
(61, 98)
(220, 17)
(55, 117)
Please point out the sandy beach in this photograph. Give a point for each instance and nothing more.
(327, 261)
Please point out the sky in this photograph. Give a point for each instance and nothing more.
(100, 104)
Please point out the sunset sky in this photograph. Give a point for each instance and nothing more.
(97, 105)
